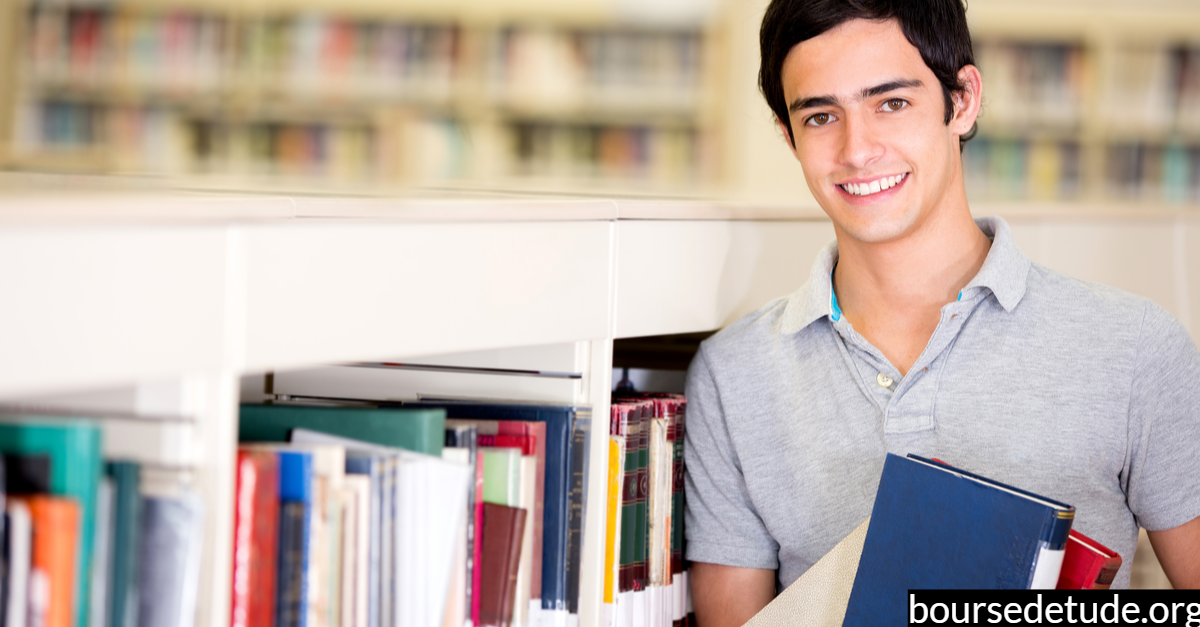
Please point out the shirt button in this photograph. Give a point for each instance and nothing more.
(883, 380)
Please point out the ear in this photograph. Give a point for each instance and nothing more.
(967, 101)
(787, 134)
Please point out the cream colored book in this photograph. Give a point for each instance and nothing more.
(819, 597)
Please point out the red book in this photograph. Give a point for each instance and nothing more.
(503, 529)
(1087, 564)
(255, 539)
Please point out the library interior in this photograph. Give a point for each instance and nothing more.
(272, 268)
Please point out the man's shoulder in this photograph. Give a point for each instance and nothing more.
(1067, 298)
(749, 335)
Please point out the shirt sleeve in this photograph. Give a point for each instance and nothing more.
(722, 525)
(1163, 481)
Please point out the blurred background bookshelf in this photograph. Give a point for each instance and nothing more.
(1086, 103)
(377, 96)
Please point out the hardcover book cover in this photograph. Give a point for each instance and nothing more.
(414, 429)
(1087, 564)
(503, 528)
(934, 526)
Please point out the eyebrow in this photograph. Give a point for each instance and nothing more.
(870, 92)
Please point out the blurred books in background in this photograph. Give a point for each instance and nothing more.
(318, 99)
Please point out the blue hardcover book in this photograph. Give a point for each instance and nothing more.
(371, 465)
(295, 508)
(568, 431)
(934, 526)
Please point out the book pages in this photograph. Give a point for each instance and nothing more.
(819, 597)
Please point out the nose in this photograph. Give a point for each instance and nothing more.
(860, 143)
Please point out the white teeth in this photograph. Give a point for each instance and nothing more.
(876, 186)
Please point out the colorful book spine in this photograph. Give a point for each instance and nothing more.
(628, 427)
(56, 523)
(295, 504)
(612, 527)
(255, 539)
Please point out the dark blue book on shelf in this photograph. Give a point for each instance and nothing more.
(295, 504)
(568, 434)
(938, 527)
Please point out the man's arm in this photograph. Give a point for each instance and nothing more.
(1178, 552)
(728, 596)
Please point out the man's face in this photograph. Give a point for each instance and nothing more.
(868, 121)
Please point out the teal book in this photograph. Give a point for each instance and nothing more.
(73, 447)
(422, 430)
(127, 516)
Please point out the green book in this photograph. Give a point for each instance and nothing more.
(502, 476)
(127, 516)
(421, 430)
(73, 447)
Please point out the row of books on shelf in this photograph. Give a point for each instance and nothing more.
(1047, 84)
(365, 513)
(629, 151)
(89, 541)
(420, 147)
(316, 55)
(1051, 170)
(570, 69)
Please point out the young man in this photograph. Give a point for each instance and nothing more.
(921, 331)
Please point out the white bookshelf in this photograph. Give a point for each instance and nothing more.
(178, 311)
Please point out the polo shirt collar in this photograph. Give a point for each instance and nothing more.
(1003, 273)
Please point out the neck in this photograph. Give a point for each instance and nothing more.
(893, 291)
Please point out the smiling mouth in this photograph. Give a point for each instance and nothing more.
(873, 187)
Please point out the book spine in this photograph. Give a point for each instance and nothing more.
(53, 560)
(1108, 572)
(641, 536)
(122, 605)
(629, 500)
(612, 536)
(575, 512)
(293, 527)
(170, 558)
(477, 545)
(295, 496)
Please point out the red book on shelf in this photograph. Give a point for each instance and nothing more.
(1087, 564)
(255, 538)
(503, 529)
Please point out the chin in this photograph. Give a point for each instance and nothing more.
(874, 229)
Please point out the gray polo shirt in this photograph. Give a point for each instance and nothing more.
(1076, 391)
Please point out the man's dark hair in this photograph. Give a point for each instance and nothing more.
(937, 28)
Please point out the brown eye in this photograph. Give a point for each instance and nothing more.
(895, 104)
(819, 119)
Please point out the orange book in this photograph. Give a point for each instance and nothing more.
(55, 531)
